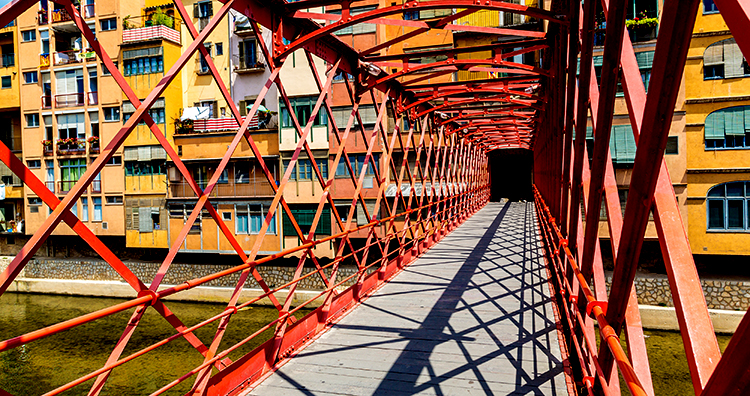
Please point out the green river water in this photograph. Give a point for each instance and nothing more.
(45, 364)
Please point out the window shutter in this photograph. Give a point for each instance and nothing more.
(196, 11)
(627, 130)
(129, 218)
(714, 54)
(130, 154)
(158, 152)
(714, 126)
(598, 61)
(747, 118)
(324, 226)
(361, 215)
(136, 219)
(733, 59)
(589, 132)
(144, 217)
(144, 153)
(210, 9)
(735, 121)
(645, 59)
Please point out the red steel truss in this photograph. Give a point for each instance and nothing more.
(452, 126)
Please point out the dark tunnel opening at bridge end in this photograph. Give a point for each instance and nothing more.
(511, 174)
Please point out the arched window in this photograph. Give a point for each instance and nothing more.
(728, 206)
(728, 128)
(724, 59)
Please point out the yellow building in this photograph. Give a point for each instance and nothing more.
(718, 139)
(11, 208)
(151, 43)
(69, 104)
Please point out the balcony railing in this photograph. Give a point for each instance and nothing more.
(61, 15)
(68, 57)
(46, 101)
(96, 186)
(92, 98)
(73, 148)
(48, 150)
(69, 100)
(88, 11)
(158, 32)
(213, 125)
(248, 64)
(50, 185)
(44, 60)
(8, 60)
(252, 189)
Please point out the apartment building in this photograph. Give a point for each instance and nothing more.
(11, 187)
(717, 101)
(206, 127)
(70, 105)
(151, 42)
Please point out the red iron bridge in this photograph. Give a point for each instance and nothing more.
(454, 294)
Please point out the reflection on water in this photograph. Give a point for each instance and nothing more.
(45, 364)
(48, 363)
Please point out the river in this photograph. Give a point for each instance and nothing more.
(45, 364)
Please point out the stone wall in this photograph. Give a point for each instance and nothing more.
(99, 270)
(728, 294)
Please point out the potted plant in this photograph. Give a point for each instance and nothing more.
(183, 126)
(94, 143)
(642, 28)
(160, 18)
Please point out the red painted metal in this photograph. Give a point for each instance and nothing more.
(452, 125)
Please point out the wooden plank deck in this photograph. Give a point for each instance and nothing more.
(472, 316)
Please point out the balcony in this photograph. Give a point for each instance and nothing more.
(42, 18)
(248, 64)
(164, 30)
(46, 101)
(71, 146)
(212, 125)
(93, 145)
(48, 150)
(65, 186)
(44, 60)
(68, 57)
(92, 98)
(61, 15)
(252, 189)
(69, 100)
(8, 60)
(96, 186)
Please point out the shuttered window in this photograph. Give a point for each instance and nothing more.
(728, 128)
(359, 28)
(622, 144)
(724, 59)
(304, 218)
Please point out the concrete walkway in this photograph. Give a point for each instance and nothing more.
(472, 316)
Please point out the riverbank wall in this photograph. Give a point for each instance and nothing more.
(727, 299)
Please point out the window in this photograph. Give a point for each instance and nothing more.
(304, 215)
(32, 120)
(219, 49)
(35, 201)
(728, 128)
(108, 24)
(425, 14)
(30, 77)
(97, 208)
(672, 147)
(203, 9)
(111, 114)
(724, 59)
(105, 71)
(114, 200)
(203, 63)
(34, 164)
(116, 160)
(6, 82)
(359, 28)
(366, 112)
(645, 61)
(358, 162)
(143, 61)
(145, 168)
(226, 216)
(728, 207)
(250, 219)
(622, 144)
(709, 7)
(28, 35)
(85, 209)
(248, 54)
(70, 171)
(303, 110)
(304, 169)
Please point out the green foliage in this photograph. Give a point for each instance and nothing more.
(160, 18)
(641, 23)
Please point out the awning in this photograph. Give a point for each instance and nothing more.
(195, 113)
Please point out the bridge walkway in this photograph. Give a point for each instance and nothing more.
(472, 316)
